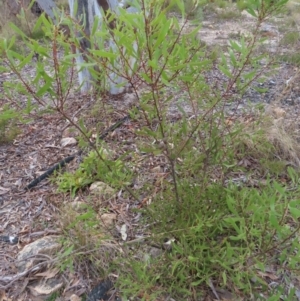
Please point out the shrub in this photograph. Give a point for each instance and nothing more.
(224, 229)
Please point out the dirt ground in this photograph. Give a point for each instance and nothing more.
(34, 214)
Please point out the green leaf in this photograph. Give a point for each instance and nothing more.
(279, 188)
(85, 216)
(25, 61)
(193, 259)
(197, 282)
(177, 264)
(235, 46)
(181, 7)
(44, 89)
(249, 76)
(251, 11)
(225, 70)
(17, 30)
(163, 34)
(102, 53)
(232, 58)
(12, 55)
(146, 78)
(224, 276)
(274, 221)
(295, 212)
(68, 251)
(40, 21)
(292, 174)
(153, 64)
(12, 42)
(231, 203)
(241, 236)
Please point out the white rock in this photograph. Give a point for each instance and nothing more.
(75, 298)
(102, 189)
(108, 219)
(68, 141)
(123, 232)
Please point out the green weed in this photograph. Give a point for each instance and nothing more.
(293, 58)
(91, 170)
(8, 128)
(290, 38)
(225, 235)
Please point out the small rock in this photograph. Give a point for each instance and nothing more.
(47, 245)
(151, 253)
(129, 98)
(99, 292)
(108, 219)
(78, 205)
(155, 252)
(276, 112)
(68, 141)
(123, 231)
(156, 169)
(279, 112)
(75, 298)
(102, 188)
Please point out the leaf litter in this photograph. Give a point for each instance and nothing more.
(33, 214)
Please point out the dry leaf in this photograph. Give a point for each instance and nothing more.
(45, 289)
(269, 275)
(48, 274)
(156, 169)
